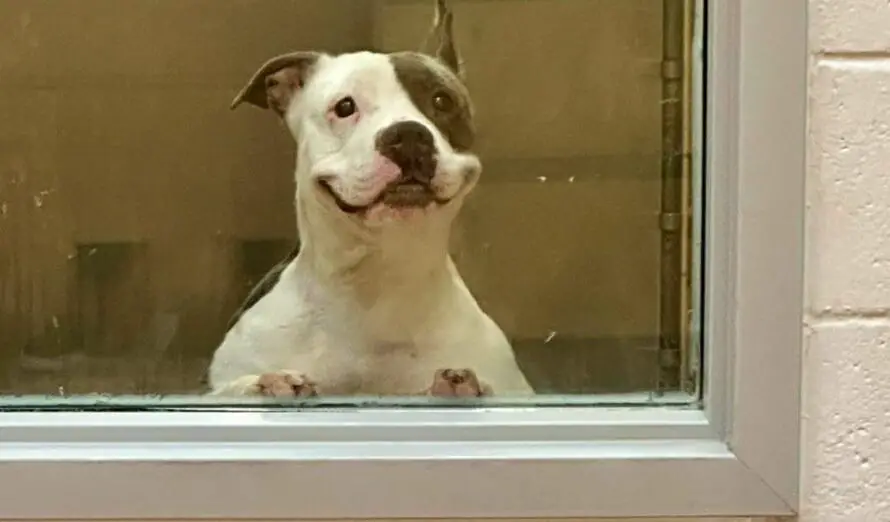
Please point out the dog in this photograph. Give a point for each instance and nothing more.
(371, 302)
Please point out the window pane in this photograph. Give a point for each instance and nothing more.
(137, 211)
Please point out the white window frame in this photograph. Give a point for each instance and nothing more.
(738, 456)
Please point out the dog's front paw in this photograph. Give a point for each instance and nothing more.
(286, 384)
(458, 383)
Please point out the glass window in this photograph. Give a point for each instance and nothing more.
(140, 217)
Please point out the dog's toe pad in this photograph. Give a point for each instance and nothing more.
(286, 384)
(458, 383)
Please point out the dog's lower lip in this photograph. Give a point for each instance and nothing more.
(381, 198)
(408, 194)
(344, 206)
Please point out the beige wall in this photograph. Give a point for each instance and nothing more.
(846, 442)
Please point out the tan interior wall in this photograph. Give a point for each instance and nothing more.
(562, 239)
(116, 130)
(115, 116)
(567, 96)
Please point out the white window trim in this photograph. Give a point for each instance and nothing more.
(738, 456)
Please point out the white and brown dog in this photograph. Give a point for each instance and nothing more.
(372, 303)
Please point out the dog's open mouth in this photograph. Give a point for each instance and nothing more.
(400, 194)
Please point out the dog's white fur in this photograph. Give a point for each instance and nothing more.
(372, 304)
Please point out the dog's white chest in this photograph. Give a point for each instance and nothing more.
(349, 350)
(357, 362)
(384, 368)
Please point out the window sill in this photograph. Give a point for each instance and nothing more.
(513, 463)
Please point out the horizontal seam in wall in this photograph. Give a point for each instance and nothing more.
(866, 61)
(880, 55)
(871, 317)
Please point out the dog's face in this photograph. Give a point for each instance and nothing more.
(381, 137)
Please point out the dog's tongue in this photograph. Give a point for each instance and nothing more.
(407, 195)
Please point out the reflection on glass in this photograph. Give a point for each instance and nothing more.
(137, 212)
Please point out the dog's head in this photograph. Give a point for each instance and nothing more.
(381, 137)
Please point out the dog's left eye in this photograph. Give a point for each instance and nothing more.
(442, 102)
(345, 107)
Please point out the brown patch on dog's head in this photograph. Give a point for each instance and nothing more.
(275, 83)
(434, 80)
(439, 94)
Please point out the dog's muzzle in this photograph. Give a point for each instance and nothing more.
(411, 146)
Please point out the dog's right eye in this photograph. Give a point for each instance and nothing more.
(442, 102)
(345, 107)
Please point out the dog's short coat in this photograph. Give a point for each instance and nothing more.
(372, 303)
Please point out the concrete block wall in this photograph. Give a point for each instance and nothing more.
(846, 395)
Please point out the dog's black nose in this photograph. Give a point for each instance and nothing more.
(410, 145)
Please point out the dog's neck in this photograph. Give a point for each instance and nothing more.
(401, 258)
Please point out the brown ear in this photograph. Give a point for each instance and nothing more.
(440, 41)
(273, 86)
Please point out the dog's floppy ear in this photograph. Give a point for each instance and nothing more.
(273, 86)
(440, 41)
